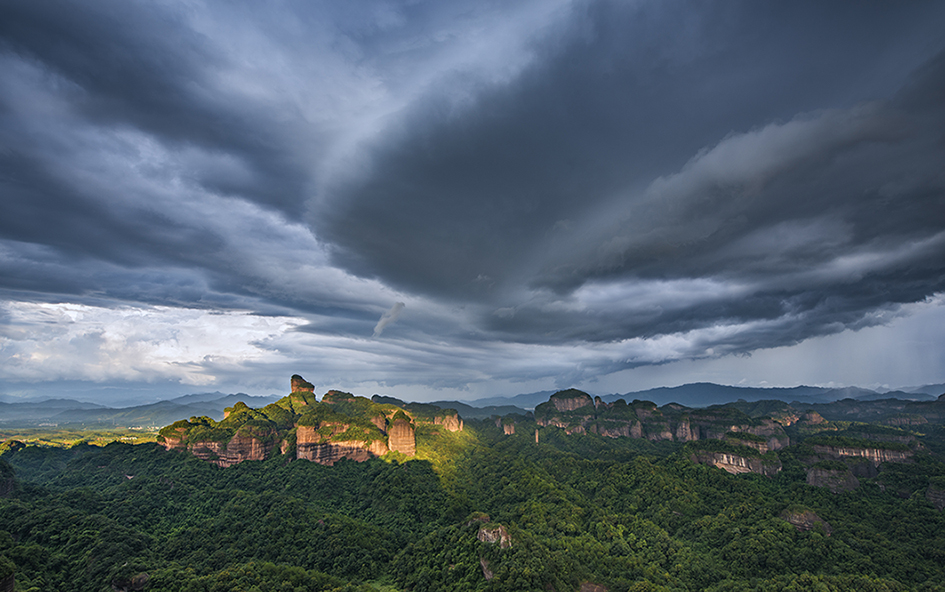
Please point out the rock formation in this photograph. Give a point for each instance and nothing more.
(936, 496)
(299, 384)
(875, 455)
(836, 480)
(401, 437)
(226, 454)
(576, 413)
(494, 533)
(451, 421)
(737, 464)
(804, 520)
(570, 400)
(339, 426)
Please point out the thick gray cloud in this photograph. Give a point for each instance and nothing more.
(555, 190)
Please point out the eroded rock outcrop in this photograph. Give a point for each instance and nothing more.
(737, 464)
(299, 384)
(936, 495)
(300, 426)
(451, 421)
(494, 533)
(571, 400)
(328, 453)
(804, 520)
(875, 455)
(401, 437)
(226, 454)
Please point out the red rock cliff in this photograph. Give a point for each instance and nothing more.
(401, 437)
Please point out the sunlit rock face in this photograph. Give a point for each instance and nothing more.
(401, 437)
(299, 384)
(452, 422)
(310, 444)
(238, 449)
(570, 400)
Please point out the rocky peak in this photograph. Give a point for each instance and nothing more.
(300, 384)
(401, 436)
(494, 533)
(571, 399)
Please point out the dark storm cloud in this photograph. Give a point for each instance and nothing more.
(788, 151)
(140, 65)
(550, 188)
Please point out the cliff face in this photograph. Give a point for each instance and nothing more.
(836, 480)
(452, 422)
(936, 496)
(576, 413)
(320, 448)
(570, 400)
(875, 455)
(238, 449)
(402, 438)
(299, 384)
(737, 464)
(339, 426)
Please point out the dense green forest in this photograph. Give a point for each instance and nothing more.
(570, 511)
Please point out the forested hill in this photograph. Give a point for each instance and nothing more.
(549, 501)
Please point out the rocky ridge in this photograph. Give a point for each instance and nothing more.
(340, 426)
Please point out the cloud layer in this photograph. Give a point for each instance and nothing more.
(557, 191)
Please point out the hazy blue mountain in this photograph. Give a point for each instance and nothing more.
(905, 396)
(40, 410)
(156, 414)
(703, 394)
(219, 401)
(68, 411)
(465, 411)
(525, 401)
(929, 389)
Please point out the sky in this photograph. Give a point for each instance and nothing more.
(454, 200)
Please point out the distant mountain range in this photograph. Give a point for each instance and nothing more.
(703, 394)
(70, 412)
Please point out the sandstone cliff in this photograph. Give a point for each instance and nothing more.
(402, 437)
(576, 412)
(299, 384)
(738, 464)
(340, 426)
(875, 455)
(835, 479)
